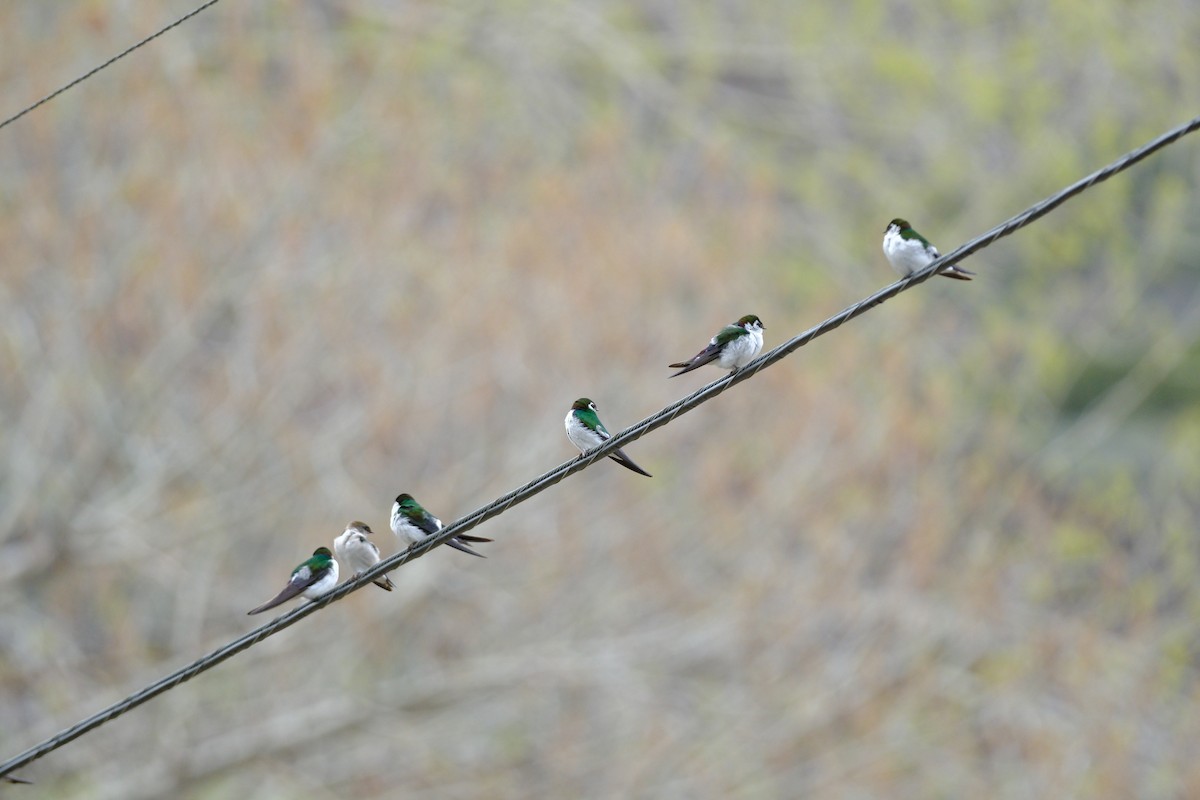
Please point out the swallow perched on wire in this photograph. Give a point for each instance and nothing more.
(358, 553)
(315, 577)
(908, 251)
(412, 523)
(732, 348)
(586, 431)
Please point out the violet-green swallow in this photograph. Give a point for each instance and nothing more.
(732, 348)
(359, 553)
(315, 577)
(414, 524)
(586, 431)
(908, 251)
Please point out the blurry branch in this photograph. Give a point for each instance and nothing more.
(36, 424)
(1110, 411)
(108, 63)
(560, 30)
(631, 434)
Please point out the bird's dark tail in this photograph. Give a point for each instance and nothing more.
(458, 545)
(626, 462)
(705, 356)
(956, 272)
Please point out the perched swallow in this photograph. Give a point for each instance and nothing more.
(908, 251)
(732, 348)
(359, 553)
(586, 431)
(414, 524)
(315, 577)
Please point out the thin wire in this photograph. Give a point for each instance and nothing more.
(108, 63)
(630, 434)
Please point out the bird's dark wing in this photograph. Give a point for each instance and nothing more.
(627, 462)
(427, 522)
(705, 356)
(289, 591)
(302, 578)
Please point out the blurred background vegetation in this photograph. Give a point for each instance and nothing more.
(296, 257)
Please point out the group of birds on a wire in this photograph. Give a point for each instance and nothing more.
(733, 347)
(319, 574)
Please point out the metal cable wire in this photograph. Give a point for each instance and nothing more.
(108, 63)
(630, 434)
